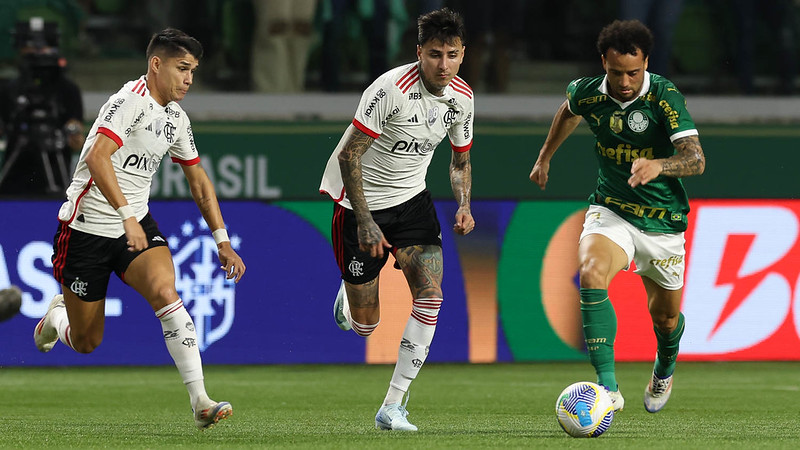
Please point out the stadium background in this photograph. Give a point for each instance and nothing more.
(509, 287)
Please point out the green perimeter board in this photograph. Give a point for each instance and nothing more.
(519, 296)
(285, 160)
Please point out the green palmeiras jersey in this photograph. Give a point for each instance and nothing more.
(644, 127)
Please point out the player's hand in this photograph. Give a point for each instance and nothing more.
(232, 263)
(134, 233)
(643, 171)
(464, 221)
(371, 239)
(539, 173)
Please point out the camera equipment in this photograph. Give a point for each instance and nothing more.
(36, 121)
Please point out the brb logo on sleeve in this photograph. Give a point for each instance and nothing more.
(208, 295)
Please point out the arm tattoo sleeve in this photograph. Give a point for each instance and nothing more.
(461, 177)
(350, 165)
(689, 159)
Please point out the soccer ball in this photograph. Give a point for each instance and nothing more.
(584, 409)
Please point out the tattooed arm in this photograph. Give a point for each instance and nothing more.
(688, 160)
(461, 182)
(370, 237)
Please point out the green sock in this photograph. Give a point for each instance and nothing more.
(600, 331)
(668, 349)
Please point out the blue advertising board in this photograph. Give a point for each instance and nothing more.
(280, 312)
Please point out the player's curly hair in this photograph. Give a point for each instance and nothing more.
(444, 25)
(172, 42)
(626, 37)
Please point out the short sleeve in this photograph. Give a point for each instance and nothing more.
(572, 88)
(184, 151)
(120, 115)
(676, 118)
(379, 102)
(460, 133)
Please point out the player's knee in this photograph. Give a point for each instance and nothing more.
(665, 323)
(592, 274)
(85, 343)
(165, 294)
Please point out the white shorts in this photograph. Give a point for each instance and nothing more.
(658, 256)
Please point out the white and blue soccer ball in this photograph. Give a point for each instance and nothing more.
(584, 409)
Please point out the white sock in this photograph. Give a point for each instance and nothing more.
(60, 321)
(181, 340)
(361, 329)
(414, 347)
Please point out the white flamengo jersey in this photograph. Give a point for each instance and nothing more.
(408, 123)
(144, 131)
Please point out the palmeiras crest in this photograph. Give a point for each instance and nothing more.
(206, 293)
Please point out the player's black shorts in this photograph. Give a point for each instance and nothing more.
(83, 262)
(411, 223)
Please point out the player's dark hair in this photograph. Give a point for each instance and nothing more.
(171, 42)
(443, 25)
(626, 37)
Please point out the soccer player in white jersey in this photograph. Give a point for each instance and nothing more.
(105, 224)
(376, 177)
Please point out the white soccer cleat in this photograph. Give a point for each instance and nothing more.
(393, 417)
(45, 334)
(616, 398)
(338, 309)
(657, 393)
(209, 416)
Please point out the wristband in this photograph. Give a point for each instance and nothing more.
(220, 236)
(125, 212)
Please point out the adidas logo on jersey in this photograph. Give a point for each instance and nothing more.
(414, 119)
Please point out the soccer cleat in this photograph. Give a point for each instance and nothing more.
(45, 334)
(657, 393)
(393, 417)
(208, 417)
(338, 309)
(616, 398)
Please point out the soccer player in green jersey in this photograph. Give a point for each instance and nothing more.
(645, 142)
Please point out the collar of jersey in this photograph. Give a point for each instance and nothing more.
(645, 87)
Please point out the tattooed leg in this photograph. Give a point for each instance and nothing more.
(364, 302)
(422, 266)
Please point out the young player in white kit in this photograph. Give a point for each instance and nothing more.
(376, 176)
(105, 224)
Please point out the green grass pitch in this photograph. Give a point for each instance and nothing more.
(713, 405)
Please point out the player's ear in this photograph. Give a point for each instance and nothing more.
(419, 53)
(155, 63)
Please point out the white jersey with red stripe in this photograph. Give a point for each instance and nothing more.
(144, 131)
(408, 123)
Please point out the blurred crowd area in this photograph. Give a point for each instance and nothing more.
(714, 47)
